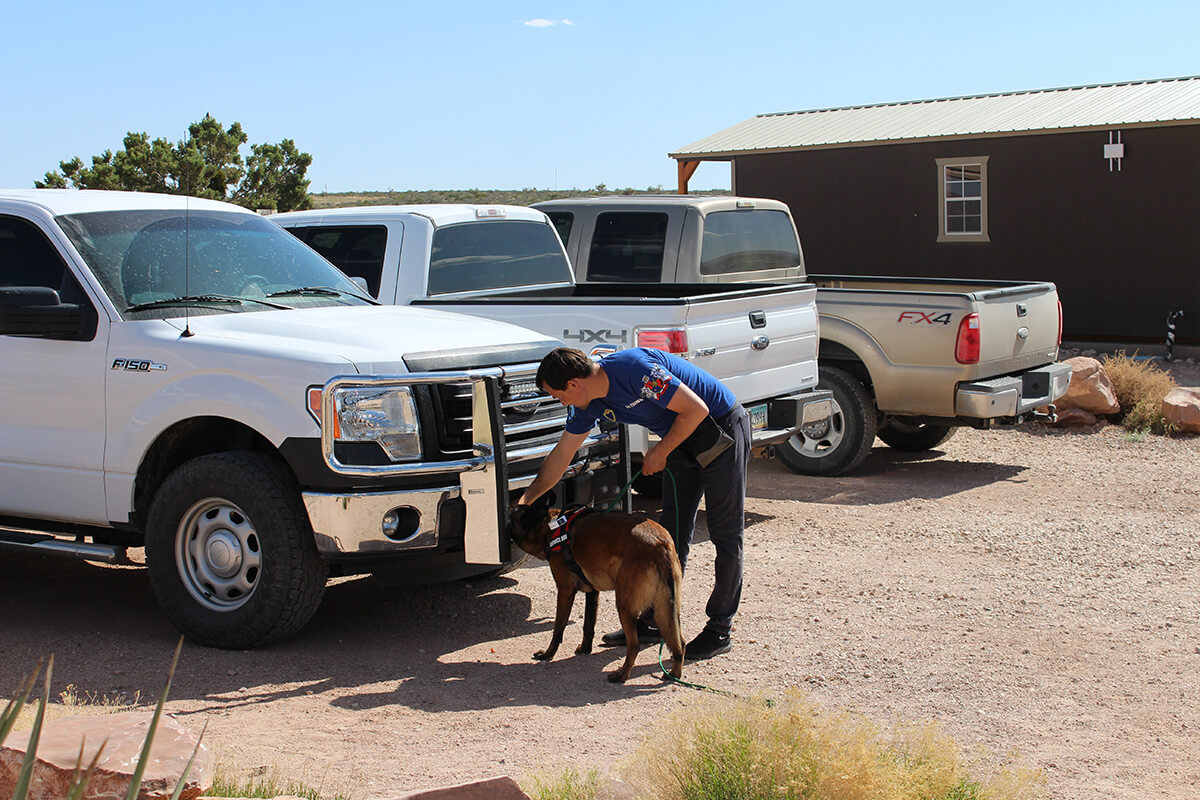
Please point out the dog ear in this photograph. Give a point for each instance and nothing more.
(545, 501)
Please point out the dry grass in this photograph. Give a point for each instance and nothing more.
(1140, 387)
(569, 785)
(743, 750)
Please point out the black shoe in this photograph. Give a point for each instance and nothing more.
(647, 634)
(707, 645)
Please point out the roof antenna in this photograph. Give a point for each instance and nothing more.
(187, 249)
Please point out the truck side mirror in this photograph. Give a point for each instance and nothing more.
(36, 311)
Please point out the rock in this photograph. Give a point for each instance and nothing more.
(58, 752)
(1075, 418)
(1090, 388)
(501, 788)
(1181, 408)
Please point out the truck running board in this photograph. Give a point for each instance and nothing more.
(51, 545)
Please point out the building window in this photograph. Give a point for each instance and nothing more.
(962, 195)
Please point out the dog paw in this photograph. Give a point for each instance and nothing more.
(616, 677)
(542, 655)
(583, 650)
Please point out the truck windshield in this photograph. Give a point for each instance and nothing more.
(143, 258)
(747, 241)
(495, 254)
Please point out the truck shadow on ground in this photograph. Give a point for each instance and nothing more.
(887, 476)
(439, 647)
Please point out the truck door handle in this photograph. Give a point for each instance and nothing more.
(758, 319)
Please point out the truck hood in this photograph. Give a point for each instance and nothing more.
(374, 339)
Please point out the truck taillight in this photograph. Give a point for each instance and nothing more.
(1059, 344)
(966, 350)
(673, 340)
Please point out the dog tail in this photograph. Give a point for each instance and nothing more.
(666, 606)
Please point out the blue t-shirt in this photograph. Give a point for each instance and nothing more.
(641, 382)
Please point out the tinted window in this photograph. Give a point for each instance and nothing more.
(495, 254)
(746, 241)
(562, 223)
(628, 246)
(28, 259)
(356, 251)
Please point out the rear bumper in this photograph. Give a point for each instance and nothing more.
(780, 418)
(1012, 395)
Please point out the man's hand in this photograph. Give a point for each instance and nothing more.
(654, 461)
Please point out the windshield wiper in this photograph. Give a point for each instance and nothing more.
(319, 291)
(200, 299)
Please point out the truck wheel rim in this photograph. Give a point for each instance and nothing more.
(218, 555)
(826, 445)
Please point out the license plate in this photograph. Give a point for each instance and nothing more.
(758, 417)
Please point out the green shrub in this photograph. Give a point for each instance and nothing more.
(272, 784)
(744, 750)
(1140, 387)
(570, 785)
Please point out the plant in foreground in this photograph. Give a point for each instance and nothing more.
(82, 775)
(569, 785)
(746, 750)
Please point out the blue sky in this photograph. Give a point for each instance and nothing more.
(400, 95)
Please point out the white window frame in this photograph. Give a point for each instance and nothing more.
(973, 236)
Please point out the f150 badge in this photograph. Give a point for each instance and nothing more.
(917, 317)
(137, 365)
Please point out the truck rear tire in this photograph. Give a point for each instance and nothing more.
(914, 437)
(230, 551)
(851, 432)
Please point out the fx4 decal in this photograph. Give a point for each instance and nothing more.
(917, 317)
(583, 335)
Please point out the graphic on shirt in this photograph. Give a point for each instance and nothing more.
(609, 415)
(654, 384)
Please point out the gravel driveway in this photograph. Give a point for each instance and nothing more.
(1035, 591)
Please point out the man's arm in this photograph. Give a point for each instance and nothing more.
(554, 466)
(690, 411)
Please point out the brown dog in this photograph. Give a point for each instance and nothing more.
(626, 553)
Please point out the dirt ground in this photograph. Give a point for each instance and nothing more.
(1035, 591)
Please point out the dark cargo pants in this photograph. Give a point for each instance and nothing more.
(723, 485)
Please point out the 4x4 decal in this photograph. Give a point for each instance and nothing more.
(603, 335)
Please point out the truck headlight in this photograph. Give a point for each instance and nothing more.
(387, 415)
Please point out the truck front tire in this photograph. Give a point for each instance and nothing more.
(913, 437)
(850, 435)
(230, 551)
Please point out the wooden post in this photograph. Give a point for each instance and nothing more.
(686, 170)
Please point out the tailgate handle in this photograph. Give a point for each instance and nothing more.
(1022, 309)
(758, 319)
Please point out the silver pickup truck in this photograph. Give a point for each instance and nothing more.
(907, 359)
(506, 263)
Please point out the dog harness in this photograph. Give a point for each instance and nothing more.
(560, 542)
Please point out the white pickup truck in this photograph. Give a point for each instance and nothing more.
(907, 359)
(182, 375)
(507, 263)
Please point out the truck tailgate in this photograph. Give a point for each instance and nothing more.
(1018, 327)
(760, 345)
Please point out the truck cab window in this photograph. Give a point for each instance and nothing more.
(356, 251)
(28, 259)
(628, 246)
(562, 221)
(747, 241)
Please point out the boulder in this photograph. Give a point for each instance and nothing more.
(58, 753)
(1075, 418)
(501, 788)
(1090, 388)
(1181, 408)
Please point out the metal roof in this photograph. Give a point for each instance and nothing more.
(1156, 102)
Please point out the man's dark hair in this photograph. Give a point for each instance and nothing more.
(562, 365)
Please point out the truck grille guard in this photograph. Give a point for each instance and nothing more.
(506, 425)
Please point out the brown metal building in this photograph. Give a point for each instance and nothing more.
(1096, 188)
